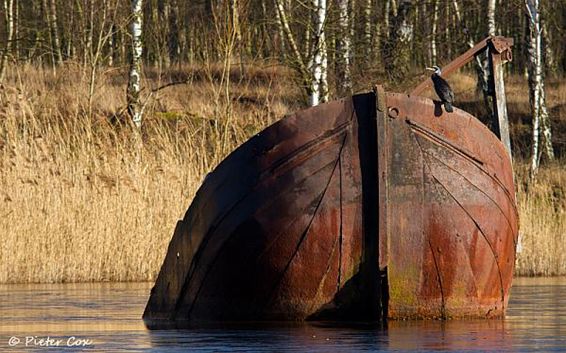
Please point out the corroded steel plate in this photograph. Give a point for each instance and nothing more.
(276, 231)
(452, 221)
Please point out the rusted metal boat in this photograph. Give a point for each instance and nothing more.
(376, 206)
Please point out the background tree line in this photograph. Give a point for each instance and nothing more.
(334, 46)
(49, 32)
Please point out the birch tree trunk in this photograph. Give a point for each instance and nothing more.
(343, 44)
(324, 68)
(81, 27)
(297, 60)
(104, 35)
(447, 32)
(367, 31)
(280, 31)
(15, 31)
(237, 28)
(537, 97)
(386, 24)
(290, 38)
(112, 45)
(9, 20)
(545, 123)
(549, 57)
(164, 10)
(433, 53)
(308, 46)
(153, 52)
(397, 54)
(46, 16)
(319, 90)
(174, 42)
(89, 33)
(491, 17)
(480, 70)
(490, 32)
(55, 31)
(353, 20)
(134, 81)
(235, 8)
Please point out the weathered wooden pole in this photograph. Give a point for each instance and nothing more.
(498, 55)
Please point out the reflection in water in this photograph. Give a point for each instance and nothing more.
(108, 314)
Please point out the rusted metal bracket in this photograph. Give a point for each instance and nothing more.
(501, 45)
(499, 52)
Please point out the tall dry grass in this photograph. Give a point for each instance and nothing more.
(542, 212)
(88, 198)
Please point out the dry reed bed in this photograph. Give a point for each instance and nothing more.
(542, 213)
(86, 198)
(89, 199)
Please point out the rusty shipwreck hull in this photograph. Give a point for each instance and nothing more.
(449, 197)
(376, 206)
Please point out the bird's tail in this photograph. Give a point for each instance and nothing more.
(448, 107)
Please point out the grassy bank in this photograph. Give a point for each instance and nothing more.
(542, 212)
(84, 197)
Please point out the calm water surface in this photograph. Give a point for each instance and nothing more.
(106, 317)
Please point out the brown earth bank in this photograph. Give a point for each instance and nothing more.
(85, 197)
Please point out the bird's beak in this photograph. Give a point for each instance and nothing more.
(430, 68)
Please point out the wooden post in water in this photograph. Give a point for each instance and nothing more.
(498, 55)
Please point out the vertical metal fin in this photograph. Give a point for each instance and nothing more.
(382, 153)
(382, 216)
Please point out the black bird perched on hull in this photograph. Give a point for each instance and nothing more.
(442, 89)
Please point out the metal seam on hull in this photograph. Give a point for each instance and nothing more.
(327, 270)
(469, 267)
(262, 175)
(422, 129)
(480, 190)
(280, 234)
(270, 244)
(305, 233)
(205, 241)
(340, 235)
(426, 133)
(443, 300)
(482, 233)
(436, 267)
(220, 251)
(339, 281)
(513, 203)
(496, 180)
(475, 223)
(278, 163)
(304, 149)
(382, 180)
